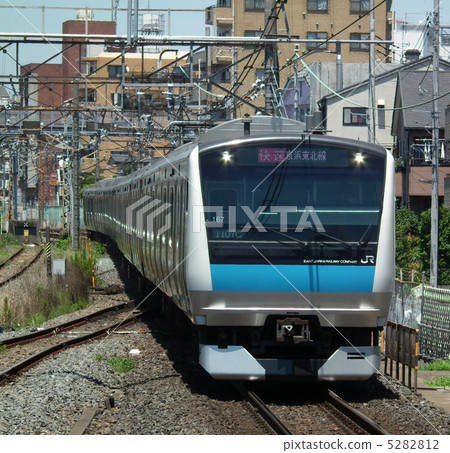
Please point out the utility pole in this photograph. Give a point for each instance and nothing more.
(371, 110)
(296, 86)
(271, 57)
(14, 174)
(76, 166)
(339, 68)
(435, 156)
(132, 22)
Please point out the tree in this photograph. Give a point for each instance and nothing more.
(407, 239)
(443, 243)
(87, 180)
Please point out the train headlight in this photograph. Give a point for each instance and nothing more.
(359, 158)
(226, 156)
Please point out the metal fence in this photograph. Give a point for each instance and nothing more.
(435, 324)
(425, 308)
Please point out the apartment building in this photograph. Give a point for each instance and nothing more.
(311, 20)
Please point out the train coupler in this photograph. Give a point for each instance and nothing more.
(293, 330)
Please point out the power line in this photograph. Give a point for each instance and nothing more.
(365, 106)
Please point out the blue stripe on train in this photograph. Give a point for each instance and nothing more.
(313, 278)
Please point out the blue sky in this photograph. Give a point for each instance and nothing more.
(187, 24)
(416, 10)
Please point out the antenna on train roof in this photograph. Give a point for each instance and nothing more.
(246, 120)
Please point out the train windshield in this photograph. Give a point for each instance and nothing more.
(287, 203)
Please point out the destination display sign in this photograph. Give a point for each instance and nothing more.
(274, 155)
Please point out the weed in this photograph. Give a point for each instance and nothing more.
(3, 348)
(122, 364)
(63, 244)
(438, 365)
(98, 250)
(8, 239)
(7, 313)
(68, 308)
(441, 382)
(81, 260)
(99, 358)
(33, 299)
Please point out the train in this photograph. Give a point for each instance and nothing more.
(276, 243)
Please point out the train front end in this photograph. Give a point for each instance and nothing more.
(291, 256)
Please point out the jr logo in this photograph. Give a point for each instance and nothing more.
(368, 259)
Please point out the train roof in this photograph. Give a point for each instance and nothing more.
(246, 128)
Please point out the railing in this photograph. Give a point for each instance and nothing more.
(421, 152)
(402, 349)
(434, 324)
(427, 309)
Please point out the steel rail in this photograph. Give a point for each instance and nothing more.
(356, 416)
(21, 271)
(30, 361)
(64, 326)
(269, 417)
(17, 252)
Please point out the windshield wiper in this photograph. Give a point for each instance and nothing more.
(272, 230)
(361, 242)
(321, 233)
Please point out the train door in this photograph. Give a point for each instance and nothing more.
(163, 245)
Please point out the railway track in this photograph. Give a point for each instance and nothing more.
(18, 263)
(341, 414)
(33, 347)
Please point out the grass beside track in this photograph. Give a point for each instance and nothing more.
(35, 298)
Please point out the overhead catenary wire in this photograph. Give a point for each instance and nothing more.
(365, 106)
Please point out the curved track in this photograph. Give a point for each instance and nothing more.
(39, 351)
(18, 263)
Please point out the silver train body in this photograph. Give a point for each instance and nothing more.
(277, 244)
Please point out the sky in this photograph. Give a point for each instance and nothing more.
(33, 20)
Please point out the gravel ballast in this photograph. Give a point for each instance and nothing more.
(166, 393)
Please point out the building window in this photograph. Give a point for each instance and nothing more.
(224, 30)
(90, 96)
(257, 5)
(252, 33)
(116, 98)
(91, 67)
(354, 116)
(359, 6)
(115, 72)
(318, 6)
(445, 37)
(359, 45)
(224, 3)
(223, 76)
(317, 35)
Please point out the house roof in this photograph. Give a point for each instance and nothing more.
(415, 88)
(410, 67)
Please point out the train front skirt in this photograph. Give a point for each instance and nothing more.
(235, 362)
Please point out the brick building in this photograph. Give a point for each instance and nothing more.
(305, 19)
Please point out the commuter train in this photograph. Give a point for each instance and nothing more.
(277, 244)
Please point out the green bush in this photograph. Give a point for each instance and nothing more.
(443, 243)
(63, 244)
(438, 365)
(8, 239)
(407, 242)
(122, 364)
